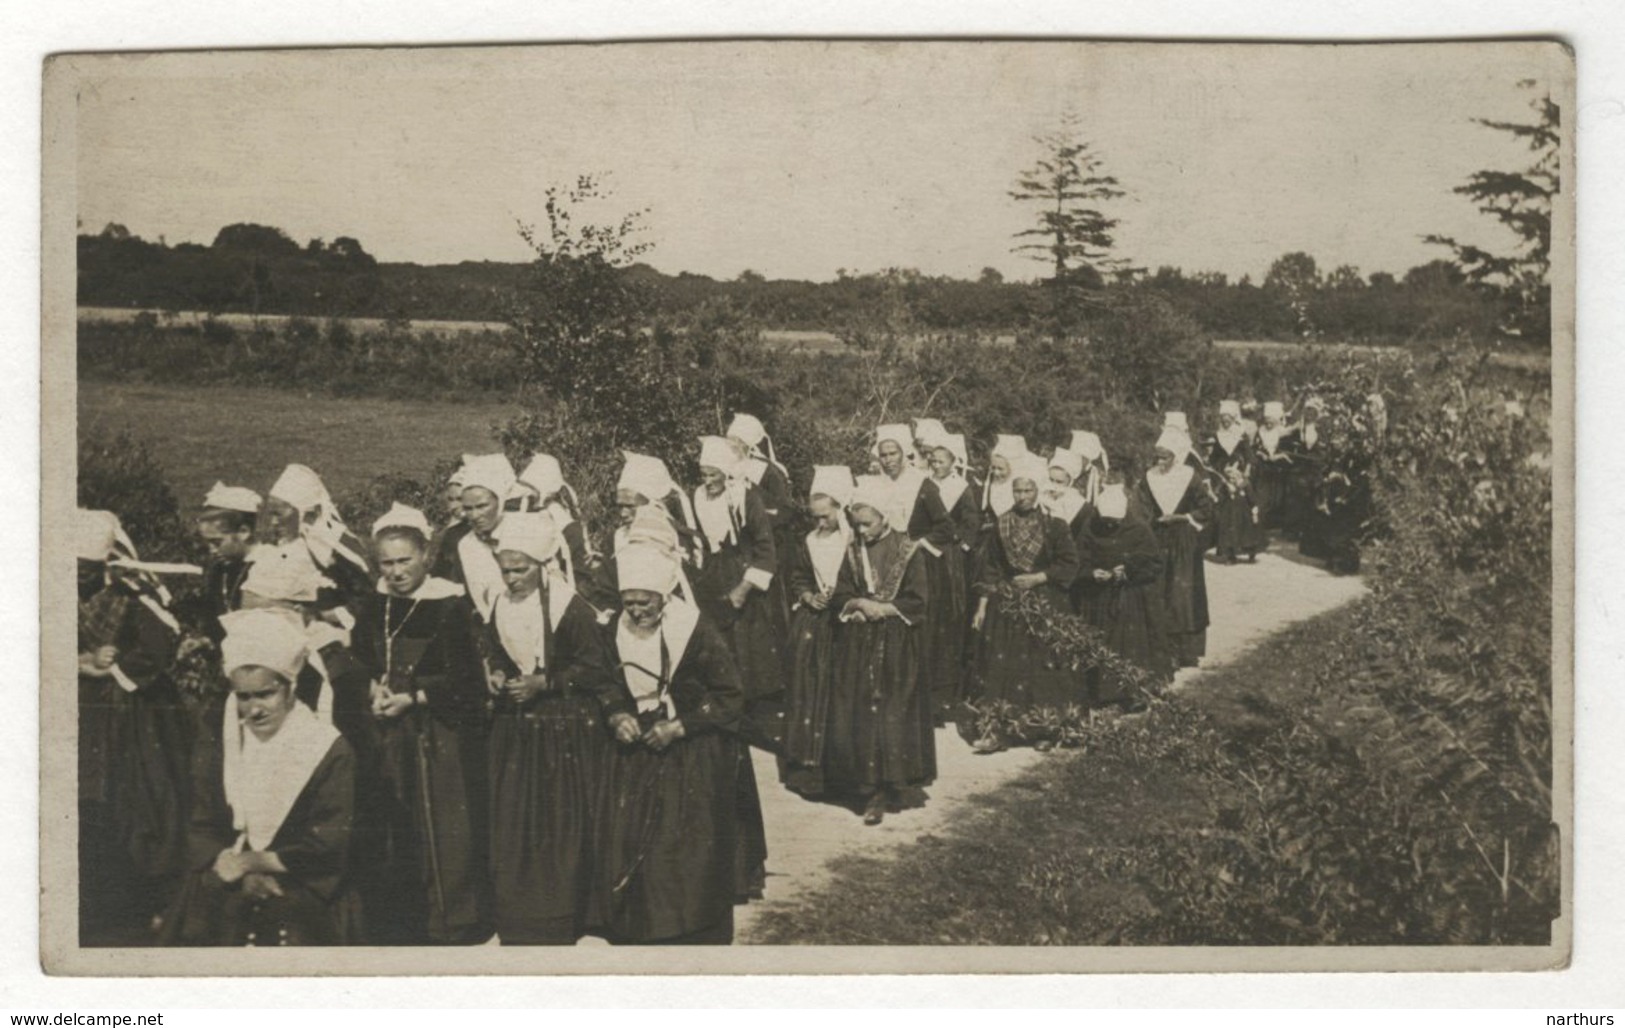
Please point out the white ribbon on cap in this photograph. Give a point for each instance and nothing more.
(834, 481)
(232, 497)
(399, 515)
(489, 471)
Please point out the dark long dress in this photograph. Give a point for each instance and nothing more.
(948, 536)
(1272, 473)
(779, 502)
(428, 861)
(755, 631)
(1346, 498)
(133, 753)
(1236, 530)
(1008, 663)
(1239, 531)
(1129, 611)
(1303, 487)
(1184, 582)
(879, 731)
(755, 635)
(669, 821)
(810, 675)
(320, 906)
(548, 763)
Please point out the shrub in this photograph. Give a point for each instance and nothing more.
(119, 474)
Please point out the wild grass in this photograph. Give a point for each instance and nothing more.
(247, 435)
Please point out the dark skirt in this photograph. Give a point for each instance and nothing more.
(133, 750)
(755, 632)
(211, 913)
(548, 769)
(666, 851)
(1012, 666)
(1271, 483)
(1301, 486)
(1131, 618)
(1238, 530)
(1184, 591)
(880, 728)
(430, 852)
(750, 838)
(810, 675)
(942, 642)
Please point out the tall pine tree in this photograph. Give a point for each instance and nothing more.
(1072, 235)
(1522, 201)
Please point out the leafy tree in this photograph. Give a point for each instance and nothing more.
(1522, 201)
(1293, 273)
(1072, 234)
(262, 240)
(1435, 276)
(579, 314)
(1295, 278)
(991, 277)
(349, 250)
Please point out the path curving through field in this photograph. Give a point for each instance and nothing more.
(1248, 602)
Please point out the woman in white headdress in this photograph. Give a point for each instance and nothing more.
(739, 589)
(330, 682)
(1229, 463)
(273, 807)
(1095, 463)
(913, 503)
(665, 868)
(426, 862)
(1118, 591)
(996, 496)
(541, 487)
(950, 609)
(646, 495)
(550, 671)
(1059, 494)
(1030, 551)
(298, 507)
(761, 467)
(738, 584)
(1230, 443)
(226, 526)
(1180, 503)
(487, 480)
(1309, 452)
(879, 738)
(1272, 465)
(132, 744)
(813, 570)
(929, 433)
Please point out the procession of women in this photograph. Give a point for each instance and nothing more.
(481, 723)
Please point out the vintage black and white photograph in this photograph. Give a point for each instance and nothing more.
(985, 506)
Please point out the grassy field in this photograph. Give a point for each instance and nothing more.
(246, 436)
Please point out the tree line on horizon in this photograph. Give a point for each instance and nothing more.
(259, 269)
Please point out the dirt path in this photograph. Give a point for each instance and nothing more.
(1248, 603)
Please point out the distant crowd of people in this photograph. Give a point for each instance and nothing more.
(482, 722)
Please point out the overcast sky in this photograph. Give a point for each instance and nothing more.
(796, 160)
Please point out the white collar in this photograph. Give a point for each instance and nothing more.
(1168, 488)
